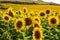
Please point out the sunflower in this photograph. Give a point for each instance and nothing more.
(42, 14)
(37, 34)
(31, 13)
(36, 24)
(25, 10)
(47, 11)
(53, 20)
(56, 13)
(19, 24)
(10, 12)
(6, 18)
(20, 13)
(51, 13)
(28, 21)
(36, 19)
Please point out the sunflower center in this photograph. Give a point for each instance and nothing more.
(28, 21)
(37, 34)
(47, 11)
(42, 14)
(56, 13)
(11, 14)
(36, 19)
(6, 18)
(31, 14)
(24, 10)
(36, 25)
(19, 12)
(19, 24)
(53, 20)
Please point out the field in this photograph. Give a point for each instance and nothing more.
(29, 22)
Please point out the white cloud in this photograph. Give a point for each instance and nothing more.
(54, 1)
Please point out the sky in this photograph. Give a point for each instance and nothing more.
(54, 1)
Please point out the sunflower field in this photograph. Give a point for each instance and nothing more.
(30, 22)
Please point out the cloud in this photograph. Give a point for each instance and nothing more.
(54, 1)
